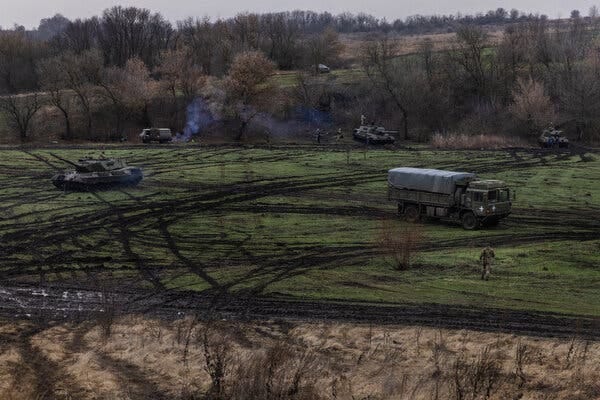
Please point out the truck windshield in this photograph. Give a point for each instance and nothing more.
(493, 196)
(504, 195)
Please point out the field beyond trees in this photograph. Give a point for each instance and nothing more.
(303, 223)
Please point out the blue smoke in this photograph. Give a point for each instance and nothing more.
(198, 118)
(313, 116)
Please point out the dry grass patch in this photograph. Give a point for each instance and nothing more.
(189, 359)
(483, 142)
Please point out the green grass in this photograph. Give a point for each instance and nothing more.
(303, 223)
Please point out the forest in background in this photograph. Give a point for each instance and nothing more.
(496, 73)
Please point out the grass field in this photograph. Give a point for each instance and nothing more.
(303, 223)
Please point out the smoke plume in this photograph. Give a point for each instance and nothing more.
(198, 118)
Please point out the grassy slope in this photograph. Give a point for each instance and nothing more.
(304, 223)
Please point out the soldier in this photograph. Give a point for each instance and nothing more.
(486, 258)
(318, 135)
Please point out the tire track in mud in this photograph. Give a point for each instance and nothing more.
(160, 214)
(125, 235)
(170, 305)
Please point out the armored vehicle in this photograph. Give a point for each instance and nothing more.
(160, 135)
(552, 138)
(323, 69)
(458, 196)
(94, 174)
(372, 134)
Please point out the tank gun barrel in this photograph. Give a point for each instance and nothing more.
(63, 160)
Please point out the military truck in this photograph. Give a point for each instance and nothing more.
(458, 196)
(160, 135)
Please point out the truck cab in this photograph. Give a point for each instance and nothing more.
(489, 200)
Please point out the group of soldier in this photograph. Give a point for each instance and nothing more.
(319, 135)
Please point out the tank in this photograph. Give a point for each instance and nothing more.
(372, 134)
(94, 174)
(552, 138)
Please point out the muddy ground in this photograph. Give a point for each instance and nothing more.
(77, 261)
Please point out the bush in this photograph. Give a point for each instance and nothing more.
(400, 242)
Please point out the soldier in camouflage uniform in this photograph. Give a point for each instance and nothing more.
(486, 258)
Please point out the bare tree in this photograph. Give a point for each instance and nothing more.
(400, 243)
(20, 110)
(18, 54)
(532, 105)
(82, 72)
(400, 80)
(181, 78)
(323, 48)
(207, 43)
(469, 54)
(246, 31)
(579, 93)
(54, 81)
(248, 88)
(79, 36)
(128, 32)
(282, 40)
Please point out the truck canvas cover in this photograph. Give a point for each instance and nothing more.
(428, 180)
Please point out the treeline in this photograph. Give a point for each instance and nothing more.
(130, 68)
(540, 73)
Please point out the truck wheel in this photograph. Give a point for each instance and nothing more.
(469, 221)
(411, 213)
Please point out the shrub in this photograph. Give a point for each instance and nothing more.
(399, 242)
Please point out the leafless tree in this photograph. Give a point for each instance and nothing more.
(209, 44)
(53, 81)
(82, 72)
(532, 105)
(248, 88)
(18, 54)
(20, 110)
(79, 36)
(400, 80)
(282, 40)
(579, 93)
(125, 33)
(323, 48)
(181, 78)
(468, 53)
(246, 31)
(126, 89)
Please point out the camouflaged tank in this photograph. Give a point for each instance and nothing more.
(372, 134)
(552, 138)
(94, 174)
